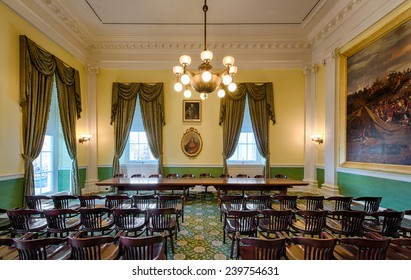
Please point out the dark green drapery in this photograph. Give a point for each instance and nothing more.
(261, 104)
(37, 70)
(124, 98)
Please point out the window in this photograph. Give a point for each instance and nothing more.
(43, 167)
(137, 149)
(246, 151)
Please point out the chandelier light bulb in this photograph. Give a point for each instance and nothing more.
(187, 93)
(232, 70)
(228, 60)
(221, 93)
(227, 79)
(206, 55)
(178, 87)
(203, 96)
(206, 76)
(185, 60)
(232, 87)
(178, 70)
(185, 79)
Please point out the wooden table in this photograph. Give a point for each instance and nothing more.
(242, 184)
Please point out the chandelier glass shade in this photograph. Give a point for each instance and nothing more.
(205, 81)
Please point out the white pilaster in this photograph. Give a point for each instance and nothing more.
(309, 147)
(330, 186)
(92, 174)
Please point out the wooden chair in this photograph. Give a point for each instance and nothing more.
(65, 201)
(230, 202)
(204, 189)
(399, 249)
(387, 223)
(252, 248)
(307, 248)
(26, 220)
(117, 201)
(257, 202)
(130, 220)
(120, 175)
(91, 201)
(94, 220)
(137, 175)
(155, 175)
(38, 202)
(7, 249)
(280, 176)
(284, 202)
(51, 248)
(361, 248)
(337, 203)
(164, 221)
(5, 225)
(405, 230)
(239, 223)
(93, 248)
(144, 201)
(310, 202)
(173, 201)
(275, 222)
(345, 223)
(241, 175)
(60, 222)
(224, 176)
(309, 222)
(142, 248)
(369, 203)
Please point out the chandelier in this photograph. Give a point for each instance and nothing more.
(205, 81)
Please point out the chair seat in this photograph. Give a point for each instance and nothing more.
(295, 252)
(109, 251)
(106, 223)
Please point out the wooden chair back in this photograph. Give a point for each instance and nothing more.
(42, 248)
(36, 201)
(65, 201)
(26, 220)
(130, 220)
(257, 202)
(313, 248)
(93, 248)
(144, 201)
(311, 202)
(89, 201)
(275, 222)
(371, 203)
(116, 201)
(60, 222)
(96, 220)
(339, 203)
(142, 248)
(346, 222)
(261, 249)
(311, 222)
(285, 202)
(363, 248)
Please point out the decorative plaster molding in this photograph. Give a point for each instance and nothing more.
(92, 69)
(336, 21)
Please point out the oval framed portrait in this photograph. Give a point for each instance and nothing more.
(191, 143)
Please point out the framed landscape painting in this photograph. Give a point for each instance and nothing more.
(378, 102)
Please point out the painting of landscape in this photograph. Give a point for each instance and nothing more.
(379, 100)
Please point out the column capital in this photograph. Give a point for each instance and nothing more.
(92, 69)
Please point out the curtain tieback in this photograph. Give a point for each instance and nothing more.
(26, 157)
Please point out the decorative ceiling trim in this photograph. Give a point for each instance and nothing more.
(336, 21)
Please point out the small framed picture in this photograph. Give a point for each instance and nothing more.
(192, 110)
(191, 143)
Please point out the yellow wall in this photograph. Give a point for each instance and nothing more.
(11, 26)
(287, 135)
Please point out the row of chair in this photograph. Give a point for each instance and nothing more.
(80, 247)
(326, 247)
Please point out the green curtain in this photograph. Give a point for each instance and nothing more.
(37, 70)
(124, 98)
(152, 111)
(69, 99)
(231, 119)
(261, 104)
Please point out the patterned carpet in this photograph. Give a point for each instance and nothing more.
(201, 234)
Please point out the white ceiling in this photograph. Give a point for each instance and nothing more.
(153, 34)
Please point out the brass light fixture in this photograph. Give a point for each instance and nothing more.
(205, 81)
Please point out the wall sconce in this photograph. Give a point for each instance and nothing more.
(84, 138)
(317, 138)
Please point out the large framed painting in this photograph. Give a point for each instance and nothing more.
(377, 98)
(192, 110)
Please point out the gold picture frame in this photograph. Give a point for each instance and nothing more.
(366, 135)
(191, 143)
(192, 110)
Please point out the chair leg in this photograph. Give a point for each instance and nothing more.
(232, 248)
